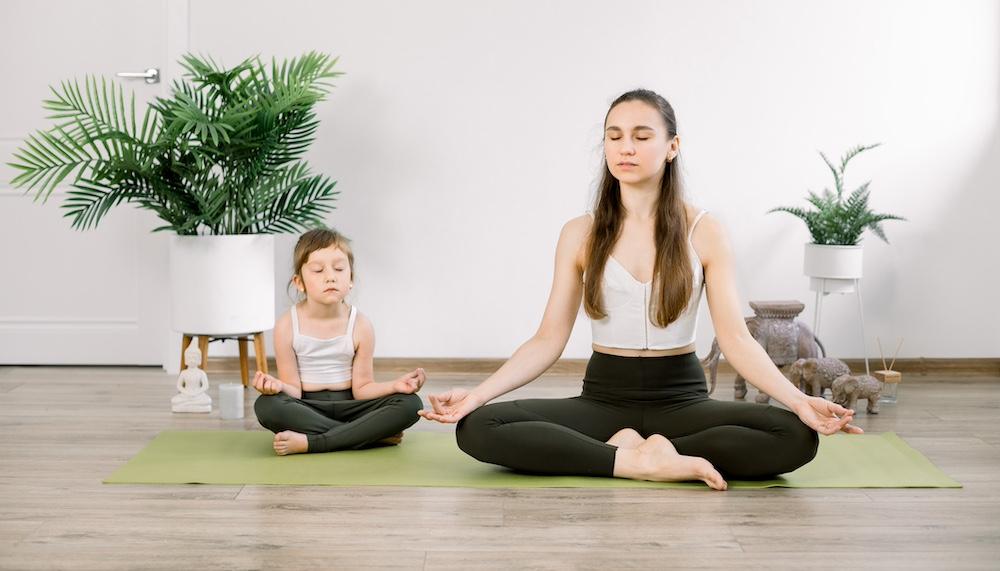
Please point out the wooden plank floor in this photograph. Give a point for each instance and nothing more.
(64, 429)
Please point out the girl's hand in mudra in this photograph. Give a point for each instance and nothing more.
(451, 406)
(410, 382)
(826, 417)
(266, 384)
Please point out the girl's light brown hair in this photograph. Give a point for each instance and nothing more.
(672, 273)
(318, 239)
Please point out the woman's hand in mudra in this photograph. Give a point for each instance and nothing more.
(451, 406)
(826, 417)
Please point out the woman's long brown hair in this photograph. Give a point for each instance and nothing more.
(672, 273)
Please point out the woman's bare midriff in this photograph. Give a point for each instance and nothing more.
(643, 352)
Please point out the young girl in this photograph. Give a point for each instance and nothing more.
(638, 263)
(325, 397)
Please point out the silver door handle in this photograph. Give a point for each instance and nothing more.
(151, 75)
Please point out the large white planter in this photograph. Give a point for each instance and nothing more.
(832, 269)
(222, 285)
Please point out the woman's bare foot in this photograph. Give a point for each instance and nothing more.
(288, 442)
(626, 438)
(657, 460)
(392, 440)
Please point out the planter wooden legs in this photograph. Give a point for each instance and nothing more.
(244, 369)
(258, 349)
(259, 352)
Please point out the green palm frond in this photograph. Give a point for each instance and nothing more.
(837, 220)
(312, 69)
(88, 203)
(301, 208)
(221, 155)
(93, 125)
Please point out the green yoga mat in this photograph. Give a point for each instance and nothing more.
(433, 459)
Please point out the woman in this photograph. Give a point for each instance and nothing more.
(639, 263)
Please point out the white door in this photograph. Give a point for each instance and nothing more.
(66, 296)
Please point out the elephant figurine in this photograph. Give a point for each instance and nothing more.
(784, 339)
(847, 389)
(815, 375)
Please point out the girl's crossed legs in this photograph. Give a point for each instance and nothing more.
(333, 420)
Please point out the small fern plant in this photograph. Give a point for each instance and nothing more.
(838, 220)
(221, 155)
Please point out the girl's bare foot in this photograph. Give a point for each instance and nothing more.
(657, 460)
(626, 438)
(288, 442)
(392, 440)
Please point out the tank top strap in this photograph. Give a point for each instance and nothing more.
(695, 222)
(295, 321)
(350, 324)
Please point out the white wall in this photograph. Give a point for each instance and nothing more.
(464, 135)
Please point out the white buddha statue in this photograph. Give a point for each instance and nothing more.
(192, 385)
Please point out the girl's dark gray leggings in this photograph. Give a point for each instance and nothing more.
(653, 395)
(333, 420)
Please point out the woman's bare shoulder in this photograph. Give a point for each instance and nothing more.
(575, 233)
(579, 225)
(692, 211)
(709, 238)
(573, 239)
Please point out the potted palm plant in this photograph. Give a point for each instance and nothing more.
(219, 161)
(834, 258)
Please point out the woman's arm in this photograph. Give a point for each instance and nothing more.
(363, 384)
(539, 352)
(740, 348)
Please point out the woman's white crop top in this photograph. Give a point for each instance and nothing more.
(627, 304)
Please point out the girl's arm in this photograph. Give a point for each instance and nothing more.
(287, 381)
(363, 384)
(740, 348)
(539, 352)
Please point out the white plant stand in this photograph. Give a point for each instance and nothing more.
(826, 286)
(835, 269)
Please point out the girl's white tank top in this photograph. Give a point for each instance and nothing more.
(325, 361)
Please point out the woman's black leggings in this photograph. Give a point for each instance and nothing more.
(333, 420)
(653, 395)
